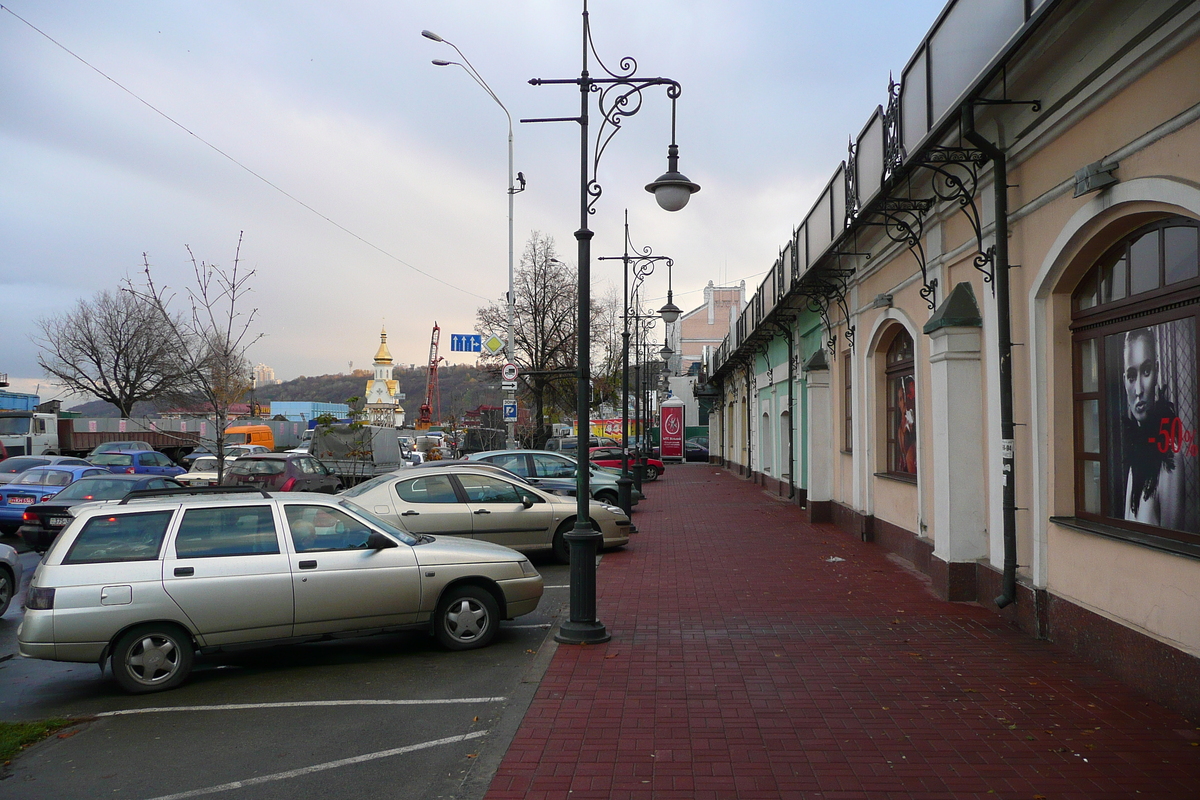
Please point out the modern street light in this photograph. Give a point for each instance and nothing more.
(642, 263)
(510, 348)
(618, 96)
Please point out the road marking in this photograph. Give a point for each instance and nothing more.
(564, 586)
(522, 627)
(305, 704)
(341, 762)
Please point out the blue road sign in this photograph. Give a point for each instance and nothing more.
(466, 342)
(510, 410)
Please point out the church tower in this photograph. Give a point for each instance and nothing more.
(382, 403)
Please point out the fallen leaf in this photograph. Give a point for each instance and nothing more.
(613, 655)
(476, 719)
(67, 735)
(472, 755)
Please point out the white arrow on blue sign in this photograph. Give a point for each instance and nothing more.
(466, 342)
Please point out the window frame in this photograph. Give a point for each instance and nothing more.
(1099, 322)
(847, 403)
(898, 369)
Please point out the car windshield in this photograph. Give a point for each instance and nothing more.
(14, 465)
(95, 489)
(383, 525)
(44, 477)
(258, 466)
(113, 460)
(205, 464)
(14, 426)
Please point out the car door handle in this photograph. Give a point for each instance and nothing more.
(482, 511)
(308, 565)
(411, 514)
(183, 572)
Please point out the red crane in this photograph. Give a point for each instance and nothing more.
(432, 407)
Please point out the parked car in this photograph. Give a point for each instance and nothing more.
(43, 521)
(10, 468)
(567, 444)
(112, 447)
(138, 462)
(610, 457)
(696, 449)
(203, 472)
(10, 576)
(180, 570)
(282, 472)
(555, 471)
(235, 451)
(463, 500)
(34, 485)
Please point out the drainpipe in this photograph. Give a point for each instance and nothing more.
(1004, 330)
(785, 331)
(749, 415)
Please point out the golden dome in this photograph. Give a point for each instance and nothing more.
(383, 355)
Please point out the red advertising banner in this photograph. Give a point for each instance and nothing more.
(671, 430)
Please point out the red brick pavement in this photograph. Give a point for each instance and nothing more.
(757, 656)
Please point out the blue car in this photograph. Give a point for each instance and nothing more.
(138, 462)
(33, 486)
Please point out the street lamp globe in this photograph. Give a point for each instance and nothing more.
(670, 312)
(672, 189)
(666, 352)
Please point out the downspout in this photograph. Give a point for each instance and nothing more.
(785, 331)
(1004, 334)
(749, 414)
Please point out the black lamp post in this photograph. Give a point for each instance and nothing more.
(642, 262)
(619, 96)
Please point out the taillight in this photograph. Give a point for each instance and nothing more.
(288, 485)
(39, 598)
(28, 517)
(130, 471)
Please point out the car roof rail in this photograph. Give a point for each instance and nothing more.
(140, 494)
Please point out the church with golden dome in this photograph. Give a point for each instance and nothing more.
(382, 395)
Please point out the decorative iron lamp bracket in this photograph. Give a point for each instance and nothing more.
(956, 180)
(903, 222)
(823, 290)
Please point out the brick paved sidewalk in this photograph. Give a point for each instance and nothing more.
(757, 656)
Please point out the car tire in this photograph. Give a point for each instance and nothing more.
(168, 649)
(562, 550)
(7, 589)
(467, 618)
(651, 473)
(607, 497)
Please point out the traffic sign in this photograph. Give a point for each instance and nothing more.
(510, 410)
(493, 344)
(466, 342)
(508, 385)
(509, 371)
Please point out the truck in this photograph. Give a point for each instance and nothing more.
(357, 452)
(36, 433)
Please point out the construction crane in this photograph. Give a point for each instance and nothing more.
(432, 407)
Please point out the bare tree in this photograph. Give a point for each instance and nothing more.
(115, 346)
(546, 296)
(212, 336)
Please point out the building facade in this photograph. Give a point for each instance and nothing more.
(1002, 383)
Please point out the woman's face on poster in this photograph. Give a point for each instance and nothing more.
(1141, 375)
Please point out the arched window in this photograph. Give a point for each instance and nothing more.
(901, 391)
(1134, 324)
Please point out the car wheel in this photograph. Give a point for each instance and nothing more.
(7, 589)
(467, 618)
(651, 473)
(607, 497)
(562, 550)
(152, 658)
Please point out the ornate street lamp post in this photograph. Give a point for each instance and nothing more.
(619, 96)
(642, 263)
(510, 349)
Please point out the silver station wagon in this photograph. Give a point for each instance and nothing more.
(146, 582)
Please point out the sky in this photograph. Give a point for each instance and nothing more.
(370, 186)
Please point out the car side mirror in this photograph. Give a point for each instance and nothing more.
(377, 541)
(527, 501)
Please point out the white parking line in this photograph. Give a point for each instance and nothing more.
(564, 586)
(305, 704)
(521, 627)
(342, 762)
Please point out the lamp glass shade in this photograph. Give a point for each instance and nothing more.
(670, 312)
(666, 353)
(672, 190)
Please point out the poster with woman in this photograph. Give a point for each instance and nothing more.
(1150, 377)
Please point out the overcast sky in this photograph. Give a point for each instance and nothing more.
(337, 105)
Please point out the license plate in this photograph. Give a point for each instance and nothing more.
(20, 501)
(60, 522)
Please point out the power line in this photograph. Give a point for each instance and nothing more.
(221, 152)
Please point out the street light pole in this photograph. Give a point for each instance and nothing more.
(510, 347)
(643, 266)
(619, 96)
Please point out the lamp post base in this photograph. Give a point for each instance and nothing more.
(582, 633)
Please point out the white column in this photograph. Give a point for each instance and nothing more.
(819, 439)
(956, 393)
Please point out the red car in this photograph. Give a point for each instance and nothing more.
(611, 457)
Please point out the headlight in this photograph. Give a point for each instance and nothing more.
(527, 569)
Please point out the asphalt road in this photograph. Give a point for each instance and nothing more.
(384, 716)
